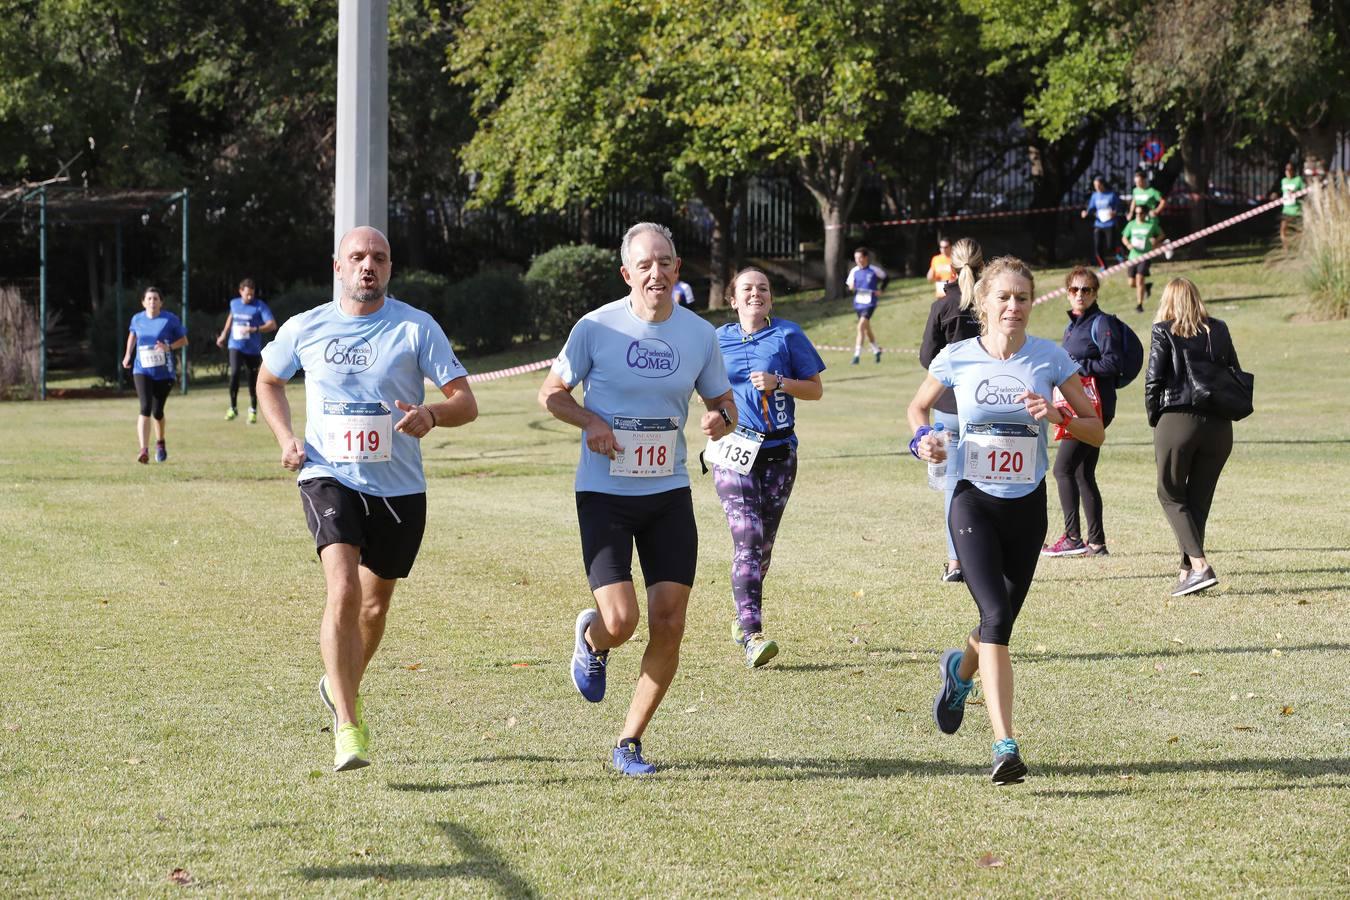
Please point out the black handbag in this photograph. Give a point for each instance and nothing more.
(1224, 390)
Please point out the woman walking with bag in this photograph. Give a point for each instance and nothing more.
(1193, 392)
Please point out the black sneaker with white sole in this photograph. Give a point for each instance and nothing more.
(1196, 581)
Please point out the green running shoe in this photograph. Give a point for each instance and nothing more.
(737, 633)
(252, 416)
(350, 749)
(231, 414)
(759, 650)
(360, 709)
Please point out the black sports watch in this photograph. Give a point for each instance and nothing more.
(725, 416)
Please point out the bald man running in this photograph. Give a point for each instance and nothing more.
(362, 488)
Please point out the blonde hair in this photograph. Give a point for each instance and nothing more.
(1182, 306)
(1003, 265)
(967, 259)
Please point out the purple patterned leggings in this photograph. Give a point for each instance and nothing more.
(754, 506)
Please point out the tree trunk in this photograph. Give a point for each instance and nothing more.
(721, 197)
(1197, 162)
(1055, 167)
(835, 183)
(587, 223)
(1317, 145)
(91, 254)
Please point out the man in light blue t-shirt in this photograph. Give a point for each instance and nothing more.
(362, 489)
(638, 360)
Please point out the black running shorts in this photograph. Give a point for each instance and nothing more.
(1138, 268)
(662, 525)
(387, 529)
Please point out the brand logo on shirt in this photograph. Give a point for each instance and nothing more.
(1001, 391)
(652, 358)
(349, 355)
(780, 407)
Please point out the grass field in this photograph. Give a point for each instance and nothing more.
(158, 635)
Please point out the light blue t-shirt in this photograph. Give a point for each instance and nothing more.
(633, 369)
(165, 327)
(256, 314)
(985, 390)
(781, 348)
(355, 368)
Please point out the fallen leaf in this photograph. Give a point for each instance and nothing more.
(857, 593)
(17, 815)
(415, 667)
(1286, 710)
(856, 640)
(901, 709)
(134, 761)
(1173, 739)
(1040, 648)
(1278, 636)
(523, 582)
(1196, 672)
(103, 603)
(867, 718)
(1176, 640)
(989, 861)
(1276, 652)
(512, 722)
(181, 877)
(1125, 777)
(327, 729)
(1232, 696)
(362, 852)
(856, 672)
(978, 701)
(1249, 695)
(692, 709)
(489, 736)
(520, 665)
(11, 726)
(1302, 603)
(1244, 727)
(1158, 667)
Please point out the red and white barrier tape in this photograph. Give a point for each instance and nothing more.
(1181, 242)
(513, 370)
(961, 218)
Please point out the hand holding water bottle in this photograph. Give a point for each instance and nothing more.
(937, 456)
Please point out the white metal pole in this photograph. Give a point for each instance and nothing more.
(361, 192)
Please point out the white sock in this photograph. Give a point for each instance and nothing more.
(876, 349)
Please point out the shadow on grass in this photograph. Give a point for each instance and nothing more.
(1164, 652)
(445, 787)
(1265, 592)
(1090, 572)
(480, 862)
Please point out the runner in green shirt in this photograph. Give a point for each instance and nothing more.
(1145, 196)
(1291, 215)
(1141, 234)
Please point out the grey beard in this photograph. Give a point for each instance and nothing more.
(361, 295)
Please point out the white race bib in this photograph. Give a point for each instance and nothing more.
(648, 447)
(356, 431)
(1289, 200)
(1105, 214)
(151, 357)
(864, 298)
(735, 450)
(1138, 242)
(999, 453)
(239, 331)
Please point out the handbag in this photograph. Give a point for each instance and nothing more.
(1224, 390)
(1089, 388)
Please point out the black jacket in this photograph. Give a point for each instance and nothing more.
(947, 324)
(1166, 385)
(1102, 358)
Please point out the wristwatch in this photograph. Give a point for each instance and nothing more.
(725, 416)
(780, 380)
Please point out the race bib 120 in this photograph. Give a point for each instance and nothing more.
(999, 453)
(648, 447)
(356, 431)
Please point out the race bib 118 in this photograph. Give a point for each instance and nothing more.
(648, 447)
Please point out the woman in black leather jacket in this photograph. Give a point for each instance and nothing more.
(1190, 445)
(951, 320)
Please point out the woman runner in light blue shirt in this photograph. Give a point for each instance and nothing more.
(1003, 382)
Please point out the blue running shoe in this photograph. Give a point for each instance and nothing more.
(949, 707)
(1008, 765)
(628, 758)
(588, 667)
(161, 452)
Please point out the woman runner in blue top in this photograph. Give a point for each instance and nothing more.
(1103, 206)
(1003, 382)
(771, 365)
(152, 338)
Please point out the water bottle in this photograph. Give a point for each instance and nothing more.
(937, 472)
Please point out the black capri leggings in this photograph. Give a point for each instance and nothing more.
(238, 361)
(1104, 244)
(999, 543)
(152, 393)
(1076, 477)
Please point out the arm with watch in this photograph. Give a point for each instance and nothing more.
(798, 388)
(720, 419)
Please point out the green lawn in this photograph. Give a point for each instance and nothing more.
(158, 629)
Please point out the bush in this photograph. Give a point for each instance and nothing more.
(19, 362)
(485, 312)
(1325, 247)
(297, 298)
(567, 282)
(424, 290)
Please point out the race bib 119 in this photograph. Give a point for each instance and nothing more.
(356, 431)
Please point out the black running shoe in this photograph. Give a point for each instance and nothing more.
(1196, 581)
(1008, 765)
(949, 707)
